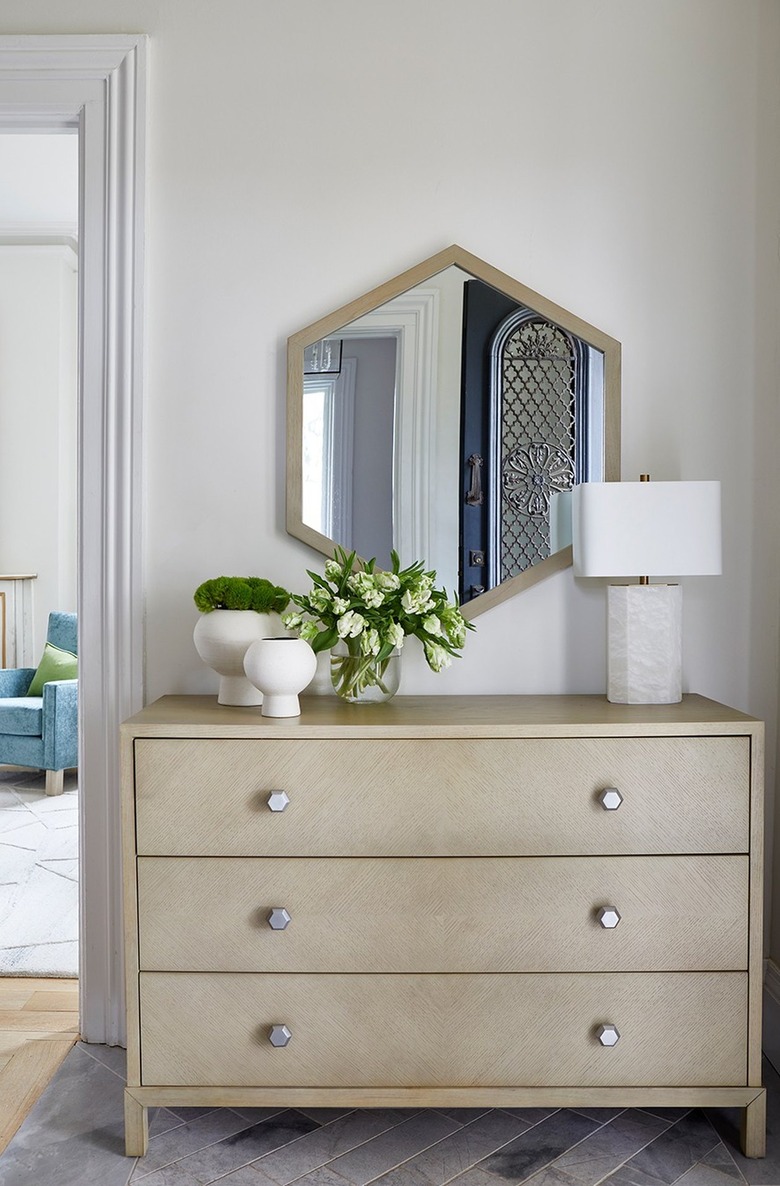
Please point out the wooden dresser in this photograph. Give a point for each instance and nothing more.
(499, 900)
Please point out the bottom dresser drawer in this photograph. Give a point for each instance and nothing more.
(458, 1030)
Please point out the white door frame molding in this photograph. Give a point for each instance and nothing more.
(98, 83)
(413, 320)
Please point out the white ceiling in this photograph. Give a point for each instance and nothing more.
(39, 182)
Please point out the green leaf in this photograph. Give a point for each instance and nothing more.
(324, 640)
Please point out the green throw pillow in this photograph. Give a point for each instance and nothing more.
(55, 664)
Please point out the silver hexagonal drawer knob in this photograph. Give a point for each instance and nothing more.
(608, 1035)
(279, 918)
(609, 917)
(278, 800)
(611, 798)
(279, 1035)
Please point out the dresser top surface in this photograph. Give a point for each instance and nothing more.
(442, 716)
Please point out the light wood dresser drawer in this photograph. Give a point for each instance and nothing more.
(444, 902)
(528, 914)
(494, 1030)
(440, 797)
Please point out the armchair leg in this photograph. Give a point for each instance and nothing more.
(55, 782)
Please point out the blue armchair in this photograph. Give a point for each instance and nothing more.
(42, 731)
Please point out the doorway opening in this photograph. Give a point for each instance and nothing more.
(39, 217)
(97, 83)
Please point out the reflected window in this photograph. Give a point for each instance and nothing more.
(318, 485)
(328, 448)
(348, 445)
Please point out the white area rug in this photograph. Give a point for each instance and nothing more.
(39, 915)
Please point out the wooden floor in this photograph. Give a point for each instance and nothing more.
(39, 1021)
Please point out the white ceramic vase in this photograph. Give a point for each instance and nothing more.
(221, 639)
(280, 668)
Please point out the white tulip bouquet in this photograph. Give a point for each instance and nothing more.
(371, 611)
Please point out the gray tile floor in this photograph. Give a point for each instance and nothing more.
(74, 1137)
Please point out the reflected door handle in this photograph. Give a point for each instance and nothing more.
(608, 1035)
(610, 798)
(475, 497)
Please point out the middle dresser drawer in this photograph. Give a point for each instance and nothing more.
(444, 914)
(441, 797)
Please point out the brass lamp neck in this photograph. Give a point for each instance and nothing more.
(644, 580)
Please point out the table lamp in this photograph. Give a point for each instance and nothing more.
(622, 529)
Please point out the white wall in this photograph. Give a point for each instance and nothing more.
(617, 156)
(38, 345)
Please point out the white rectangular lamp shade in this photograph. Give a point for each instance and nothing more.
(631, 529)
(646, 528)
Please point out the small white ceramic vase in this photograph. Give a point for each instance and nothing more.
(280, 668)
(221, 639)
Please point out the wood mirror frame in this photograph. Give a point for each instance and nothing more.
(372, 301)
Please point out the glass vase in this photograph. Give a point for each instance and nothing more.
(363, 679)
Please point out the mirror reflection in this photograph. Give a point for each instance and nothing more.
(449, 419)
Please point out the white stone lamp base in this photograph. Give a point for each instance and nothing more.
(644, 660)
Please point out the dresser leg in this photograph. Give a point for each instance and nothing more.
(753, 1132)
(136, 1127)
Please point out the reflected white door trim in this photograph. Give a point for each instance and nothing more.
(343, 452)
(98, 84)
(413, 319)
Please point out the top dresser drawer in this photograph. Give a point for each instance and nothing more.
(440, 797)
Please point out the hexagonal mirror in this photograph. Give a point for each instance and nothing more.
(447, 415)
